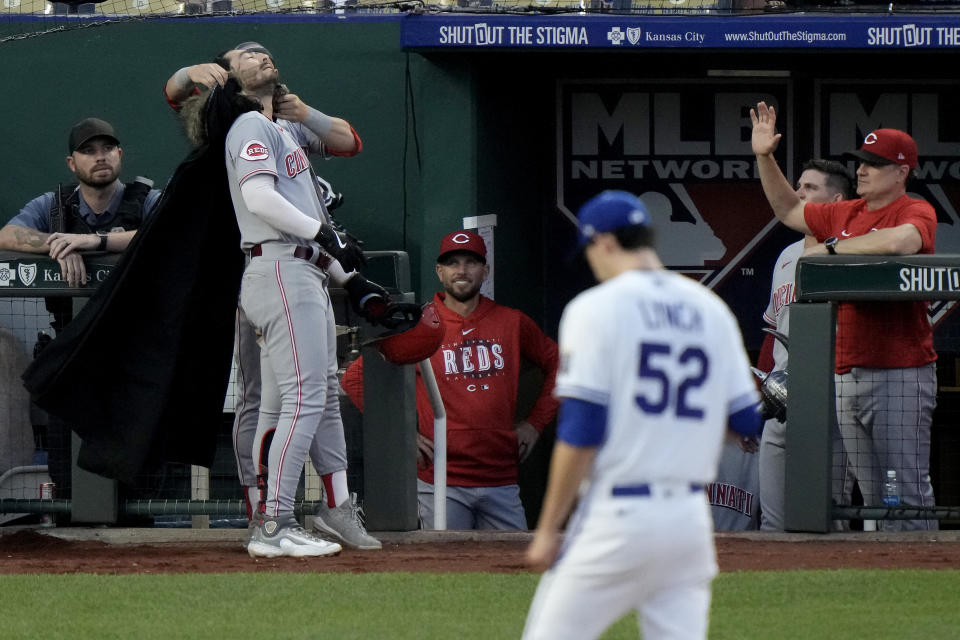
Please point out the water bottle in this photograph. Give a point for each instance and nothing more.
(891, 493)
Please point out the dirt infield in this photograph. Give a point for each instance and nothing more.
(32, 551)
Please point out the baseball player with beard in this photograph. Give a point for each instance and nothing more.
(477, 368)
(653, 372)
(821, 181)
(293, 251)
(339, 517)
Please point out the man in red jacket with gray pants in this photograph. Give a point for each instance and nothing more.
(477, 368)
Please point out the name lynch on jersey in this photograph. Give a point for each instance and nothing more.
(671, 315)
(929, 279)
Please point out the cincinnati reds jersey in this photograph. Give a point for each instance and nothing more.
(878, 334)
(782, 293)
(665, 356)
(477, 369)
(256, 145)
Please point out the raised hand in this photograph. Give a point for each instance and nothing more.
(208, 74)
(765, 138)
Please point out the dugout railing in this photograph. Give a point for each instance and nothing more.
(822, 283)
(378, 442)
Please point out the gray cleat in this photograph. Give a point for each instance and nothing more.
(251, 531)
(345, 525)
(283, 536)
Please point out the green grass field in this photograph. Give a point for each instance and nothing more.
(798, 604)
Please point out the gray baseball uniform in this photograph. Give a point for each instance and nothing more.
(325, 453)
(735, 494)
(285, 299)
(773, 441)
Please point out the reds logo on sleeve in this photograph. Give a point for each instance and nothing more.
(255, 150)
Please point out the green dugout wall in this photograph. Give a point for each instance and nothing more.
(419, 173)
(447, 134)
(454, 133)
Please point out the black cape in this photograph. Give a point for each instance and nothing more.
(141, 373)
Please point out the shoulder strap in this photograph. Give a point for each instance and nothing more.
(63, 208)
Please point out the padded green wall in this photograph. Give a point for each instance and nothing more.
(351, 69)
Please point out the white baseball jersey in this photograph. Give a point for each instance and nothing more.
(783, 291)
(257, 145)
(666, 357)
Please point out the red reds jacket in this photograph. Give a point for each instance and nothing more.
(477, 370)
(879, 335)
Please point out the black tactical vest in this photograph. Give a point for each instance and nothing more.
(65, 212)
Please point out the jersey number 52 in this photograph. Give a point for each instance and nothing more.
(657, 359)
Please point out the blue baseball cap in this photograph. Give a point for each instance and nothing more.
(609, 211)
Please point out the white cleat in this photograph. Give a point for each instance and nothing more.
(283, 536)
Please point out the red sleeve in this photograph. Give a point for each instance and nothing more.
(176, 106)
(352, 382)
(817, 216)
(346, 154)
(537, 347)
(921, 215)
(765, 359)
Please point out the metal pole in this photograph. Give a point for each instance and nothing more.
(439, 446)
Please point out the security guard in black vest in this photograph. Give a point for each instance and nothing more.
(96, 213)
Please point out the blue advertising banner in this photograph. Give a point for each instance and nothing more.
(624, 32)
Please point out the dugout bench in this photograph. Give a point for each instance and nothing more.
(822, 282)
(387, 430)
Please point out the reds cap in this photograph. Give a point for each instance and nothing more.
(87, 130)
(887, 146)
(462, 241)
(609, 211)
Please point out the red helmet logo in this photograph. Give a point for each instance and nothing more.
(417, 343)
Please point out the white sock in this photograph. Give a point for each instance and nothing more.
(341, 493)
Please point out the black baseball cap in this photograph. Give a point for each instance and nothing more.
(88, 129)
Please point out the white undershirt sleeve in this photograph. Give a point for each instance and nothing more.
(263, 200)
(339, 276)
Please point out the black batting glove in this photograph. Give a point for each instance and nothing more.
(367, 298)
(342, 246)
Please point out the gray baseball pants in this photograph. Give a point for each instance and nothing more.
(285, 300)
(885, 417)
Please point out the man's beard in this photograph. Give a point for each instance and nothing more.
(260, 83)
(466, 296)
(100, 181)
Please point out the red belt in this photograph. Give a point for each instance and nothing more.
(322, 260)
